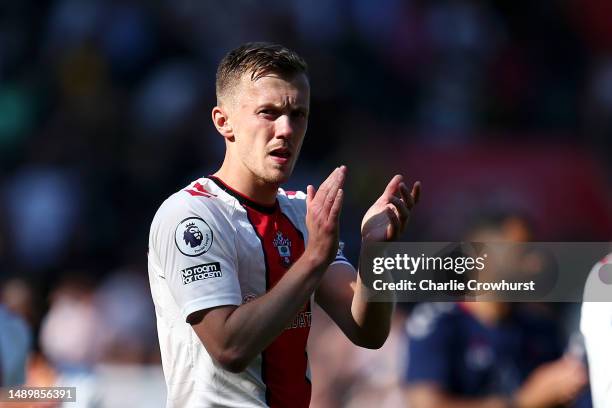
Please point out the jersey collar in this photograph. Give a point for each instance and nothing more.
(242, 199)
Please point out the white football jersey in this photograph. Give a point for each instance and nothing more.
(210, 246)
(596, 326)
(15, 342)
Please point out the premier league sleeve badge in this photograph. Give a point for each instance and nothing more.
(193, 236)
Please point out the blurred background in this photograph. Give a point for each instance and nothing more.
(497, 107)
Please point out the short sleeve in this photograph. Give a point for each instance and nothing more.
(195, 245)
(429, 353)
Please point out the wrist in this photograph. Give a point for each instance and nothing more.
(313, 260)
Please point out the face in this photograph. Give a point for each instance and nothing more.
(268, 118)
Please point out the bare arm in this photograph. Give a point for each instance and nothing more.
(551, 384)
(344, 299)
(341, 293)
(234, 335)
(431, 396)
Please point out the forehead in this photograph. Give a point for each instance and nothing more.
(274, 89)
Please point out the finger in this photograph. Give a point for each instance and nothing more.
(333, 190)
(316, 201)
(336, 209)
(402, 211)
(392, 187)
(394, 220)
(324, 187)
(416, 192)
(406, 197)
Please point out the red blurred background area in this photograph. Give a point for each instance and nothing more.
(561, 188)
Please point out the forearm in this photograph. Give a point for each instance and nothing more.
(344, 298)
(384, 221)
(485, 402)
(428, 396)
(373, 318)
(250, 328)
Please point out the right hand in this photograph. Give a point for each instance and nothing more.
(554, 383)
(322, 217)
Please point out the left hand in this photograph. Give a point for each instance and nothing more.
(387, 218)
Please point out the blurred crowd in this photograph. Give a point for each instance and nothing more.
(105, 111)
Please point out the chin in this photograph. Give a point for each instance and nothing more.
(277, 177)
(280, 179)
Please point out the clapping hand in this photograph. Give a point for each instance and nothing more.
(388, 217)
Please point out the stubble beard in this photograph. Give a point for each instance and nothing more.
(270, 175)
(277, 176)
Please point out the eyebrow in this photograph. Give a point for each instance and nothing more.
(283, 106)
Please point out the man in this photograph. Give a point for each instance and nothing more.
(596, 326)
(234, 261)
(490, 354)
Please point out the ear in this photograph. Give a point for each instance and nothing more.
(221, 122)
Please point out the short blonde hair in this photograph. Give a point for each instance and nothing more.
(258, 58)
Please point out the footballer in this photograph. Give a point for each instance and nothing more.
(235, 262)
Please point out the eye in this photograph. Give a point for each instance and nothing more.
(299, 114)
(268, 113)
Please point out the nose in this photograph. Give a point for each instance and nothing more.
(283, 127)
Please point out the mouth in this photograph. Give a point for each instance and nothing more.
(281, 155)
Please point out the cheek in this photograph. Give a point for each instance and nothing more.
(302, 133)
(260, 136)
(253, 145)
(253, 137)
(301, 127)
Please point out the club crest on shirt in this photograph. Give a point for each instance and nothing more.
(193, 236)
(283, 246)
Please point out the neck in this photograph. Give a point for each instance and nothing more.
(248, 185)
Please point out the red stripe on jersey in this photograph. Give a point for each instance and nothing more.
(284, 360)
(201, 188)
(198, 193)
